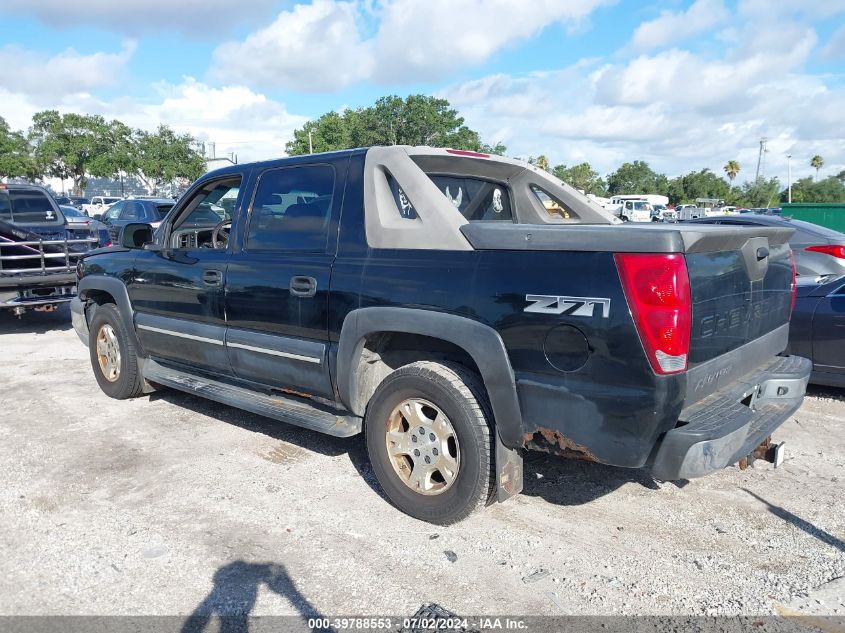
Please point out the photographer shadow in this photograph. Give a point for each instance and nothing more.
(233, 597)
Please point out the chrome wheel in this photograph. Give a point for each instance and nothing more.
(423, 447)
(108, 353)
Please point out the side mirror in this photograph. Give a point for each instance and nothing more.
(98, 217)
(135, 235)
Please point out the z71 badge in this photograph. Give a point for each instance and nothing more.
(571, 306)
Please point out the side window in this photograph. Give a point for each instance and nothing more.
(478, 200)
(291, 210)
(554, 206)
(114, 211)
(131, 211)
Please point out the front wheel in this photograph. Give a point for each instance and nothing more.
(113, 356)
(428, 437)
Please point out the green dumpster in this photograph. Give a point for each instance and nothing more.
(829, 214)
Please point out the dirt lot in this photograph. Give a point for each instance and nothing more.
(169, 504)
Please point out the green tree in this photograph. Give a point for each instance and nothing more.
(15, 154)
(330, 132)
(732, 168)
(817, 162)
(498, 149)
(759, 193)
(164, 156)
(541, 162)
(70, 145)
(583, 177)
(636, 177)
(391, 120)
(830, 189)
(120, 159)
(698, 184)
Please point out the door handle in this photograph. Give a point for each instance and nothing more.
(303, 286)
(212, 277)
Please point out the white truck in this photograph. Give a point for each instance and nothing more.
(99, 204)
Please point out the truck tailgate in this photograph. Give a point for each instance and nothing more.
(740, 284)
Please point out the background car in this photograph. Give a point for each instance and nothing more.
(99, 204)
(77, 219)
(818, 250)
(81, 225)
(151, 211)
(72, 201)
(817, 328)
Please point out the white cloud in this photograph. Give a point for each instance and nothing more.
(769, 10)
(324, 46)
(425, 39)
(671, 27)
(234, 117)
(67, 72)
(315, 47)
(684, 78)
(678, 110)
(193, 17)
(835, 47)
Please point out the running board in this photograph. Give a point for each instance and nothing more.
(279, 407)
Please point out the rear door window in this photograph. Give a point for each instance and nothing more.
(292, 209)
(132, 211)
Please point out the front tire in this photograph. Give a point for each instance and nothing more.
(428, 437)
(113, 356)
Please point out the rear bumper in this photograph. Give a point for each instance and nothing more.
(28, 291)
(729, 424)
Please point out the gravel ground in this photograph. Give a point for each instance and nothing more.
(169, 504)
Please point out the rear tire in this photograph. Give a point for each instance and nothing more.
(113, 356)
(428, 437)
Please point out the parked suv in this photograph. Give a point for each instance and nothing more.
(123, 212)
(434, 301)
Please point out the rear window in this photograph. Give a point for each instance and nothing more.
(25, 206)
(478, 200)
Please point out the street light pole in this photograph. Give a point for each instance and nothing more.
(789, 178)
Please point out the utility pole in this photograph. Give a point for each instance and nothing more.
(789, 178)
(310, 144)
(761, 159)
(213, 147)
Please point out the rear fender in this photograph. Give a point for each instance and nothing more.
(481, 342)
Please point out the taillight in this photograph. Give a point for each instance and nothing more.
(794, 284)
(834, 250)
(658, 293)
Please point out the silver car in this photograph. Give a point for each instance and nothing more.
(818, 250)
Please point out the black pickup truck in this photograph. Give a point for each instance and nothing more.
(457, 308)
(38, 250)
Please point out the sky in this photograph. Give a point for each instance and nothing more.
(683, 85)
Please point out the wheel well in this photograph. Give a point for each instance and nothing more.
(99, 297)
(384, 352)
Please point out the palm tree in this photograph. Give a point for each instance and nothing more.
(817, 162)
(732, 169)
(542, 162)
